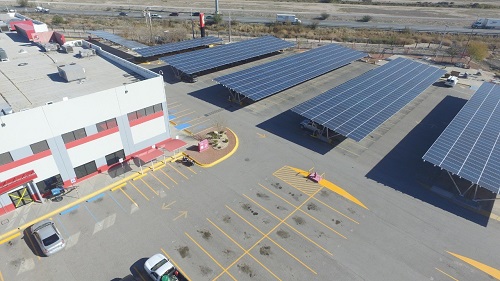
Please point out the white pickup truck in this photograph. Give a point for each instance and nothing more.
(159, 268)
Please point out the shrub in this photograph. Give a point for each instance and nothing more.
(324, 16)
(314, 24)
(366, 18)
(23, 3)
(57, 20)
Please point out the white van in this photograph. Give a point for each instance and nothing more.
(451, 81)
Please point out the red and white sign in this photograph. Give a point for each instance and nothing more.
(203, 145)
(202, 20)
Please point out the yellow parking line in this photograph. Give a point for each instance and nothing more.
(139, 273)
(118, 186)
(179, 116)
(1, 276)
(139, 191)
(481, 266)
(10, 238)
(287, 224)
(177, 171)
(154, 191)
(129, 197)
(168, 176)
(333, 209)
(176, 266)
(322, 223)
(192, 170)
(260, 240)
(194, 124)
(208, 254)
(229, 237)
(160, 181)
(446, 274)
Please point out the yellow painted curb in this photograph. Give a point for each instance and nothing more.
(118, 186)
(481, 266)
(57, 211)
(9, 238)
(224, 157)
(140, 176)
(333, 187)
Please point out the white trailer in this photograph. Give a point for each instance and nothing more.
(486, 23)
(287, 18)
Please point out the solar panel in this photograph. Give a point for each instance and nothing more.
(357, 107)
(200, 60)
(470, 146)
(177, 46)
(264, 80)
(117, 39)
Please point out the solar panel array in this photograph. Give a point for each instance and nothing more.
(118, 40)
(470, 145)
(357, 107)
(200, 60)
(177, 46)
(264, 80)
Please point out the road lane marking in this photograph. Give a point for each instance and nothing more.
(333, 209)
(177, 170)
(143, 195)
(481, 266)
(138, 273)
(91, 214)
(182, 213)
(192, 170)
(176, 266)
(69, 210)
(237, 244)
(322, 223)
(160, 180)
(114, 199)
(1, 276)
(66, 232)
(95, 198)
(260, 240)
(128, 197)
(154, 191)
(182, 115)
(208, 254)
(446, 274)
(168, 176)
(167, 207)
(287, 224)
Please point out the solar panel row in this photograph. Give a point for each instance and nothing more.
(470, 145)
(264, 80)
(200, 60)
(177, 46)
(117, 39)
(357, 107)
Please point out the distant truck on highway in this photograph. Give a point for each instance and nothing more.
(42, 9)
(287, 18)
(486, 23)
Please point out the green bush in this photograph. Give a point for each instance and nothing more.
(23, 3)
(324, 16)
(366, 18)
(56, 20)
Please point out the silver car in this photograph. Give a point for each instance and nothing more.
(48, 237)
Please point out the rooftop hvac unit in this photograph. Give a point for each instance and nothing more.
(71, 72)
(87, 53)
(3, 55)
(48, 47)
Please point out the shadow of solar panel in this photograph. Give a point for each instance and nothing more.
(201, 60)
(470, 145)
(357, 107)
(117, 39)
(267, 79)
(177, 46)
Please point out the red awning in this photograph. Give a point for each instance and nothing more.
(171, 144)
(150, 155)
(16, 181)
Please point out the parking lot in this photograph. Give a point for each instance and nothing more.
(255, 216)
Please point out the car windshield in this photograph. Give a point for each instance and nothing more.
(50, 240)
(158, 265)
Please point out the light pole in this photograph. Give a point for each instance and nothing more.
(441, 41)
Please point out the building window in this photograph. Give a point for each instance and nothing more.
(47, 184)
(75, 135)
(85, 169)
(5, 158)
(106, 125)
(39, 146)
(145, 112)
(114, 157)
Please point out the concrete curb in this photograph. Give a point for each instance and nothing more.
(224, 157)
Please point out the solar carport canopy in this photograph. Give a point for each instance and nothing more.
(201, 60)
(177, 46)
(118, 40)
(357, 107)
(470, 146)
(267, 79)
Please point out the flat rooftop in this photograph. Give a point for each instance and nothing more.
(30, 78)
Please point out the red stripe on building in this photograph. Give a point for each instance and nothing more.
(26, 160)
(91, 138)
(9, 184)
(145, 118)
(6, 209)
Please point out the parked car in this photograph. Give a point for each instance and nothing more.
(159, 266)
(195, 13)
(209, 17)
(174, 14)
(48, 237)
(155, 16)
(123, 14)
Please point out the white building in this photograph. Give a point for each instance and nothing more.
(61, 132)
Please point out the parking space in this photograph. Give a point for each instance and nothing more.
(185, 118)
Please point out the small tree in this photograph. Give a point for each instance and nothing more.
(324, 16)
(218, 18)
(56, 20)
(23, 3)
(477, 50)
(453, 51)
(314, 24)
(366, 18)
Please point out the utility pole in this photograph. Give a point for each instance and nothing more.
(192, 22)
(229, 27)
(216, 7)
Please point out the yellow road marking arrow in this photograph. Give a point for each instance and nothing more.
(182, 213)
(481, 266)
(261, 135)
(167, 207)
